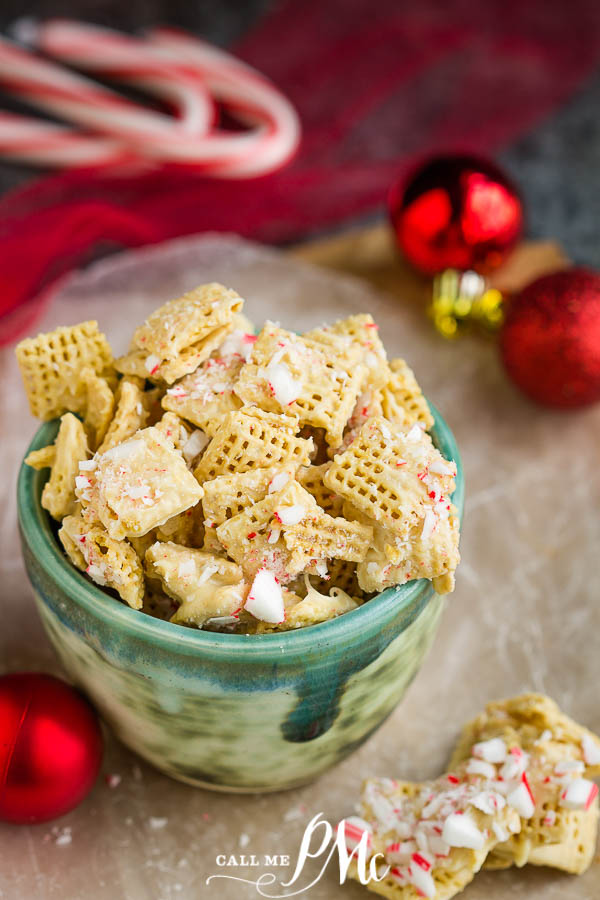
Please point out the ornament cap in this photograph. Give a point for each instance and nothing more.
(461, 300)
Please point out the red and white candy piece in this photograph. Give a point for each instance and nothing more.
(492, 751)
(419, 872)
(354, 829)
(461, 831)
(521, 798)
(265, 599)
(579, 794)
(590, 749)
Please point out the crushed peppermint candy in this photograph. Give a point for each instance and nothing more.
(429, 522)
(521, 799)
(579, 794)
(187, 568)
(265, 599)
(194, 445)
(278, 482)
(492, 751)
(354, 828)
(590, 749)
(440, 467)
(415, 433)
(87, 465)
(461, 831)
(284, 387)
(151, 363)
(480, 767)
(290, 515)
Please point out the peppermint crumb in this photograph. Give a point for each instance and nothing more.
(64, 838)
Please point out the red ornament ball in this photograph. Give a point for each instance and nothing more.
(550, 342)
(50, 747)
(458, 212)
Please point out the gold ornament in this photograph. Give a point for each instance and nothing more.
(461, 300)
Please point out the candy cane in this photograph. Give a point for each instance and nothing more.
(84, 102)
(274, 132)
(42, 143)
(233, 82)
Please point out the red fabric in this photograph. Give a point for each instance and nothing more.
(376, 85)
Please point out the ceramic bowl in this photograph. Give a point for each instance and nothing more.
(241, 713)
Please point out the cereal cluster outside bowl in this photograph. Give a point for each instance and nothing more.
(239, 543)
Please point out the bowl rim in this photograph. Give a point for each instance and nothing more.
(36, 530)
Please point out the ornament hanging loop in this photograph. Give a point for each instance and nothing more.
(463, 300)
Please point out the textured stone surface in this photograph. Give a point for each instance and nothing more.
(524, 616)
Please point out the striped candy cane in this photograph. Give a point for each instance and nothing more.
(273, 133)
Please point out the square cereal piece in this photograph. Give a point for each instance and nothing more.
(311, 478)
(406, 824)
(391, 560)
(109, 563)
(139, 364)
(252, 439)
(361, 331)
(130, 415)
(99, 406)
(338, 573)
(253, 537)
(187, 320)
(138, 485)
(402, 400)
(317, 607)
(395, 477)
(205, 396)
(301, 377)
(205, 587)
(51, 363)
(70, 447)
(322, 537)
(186, 529)
(228, 495)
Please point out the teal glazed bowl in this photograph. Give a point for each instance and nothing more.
(229, 712)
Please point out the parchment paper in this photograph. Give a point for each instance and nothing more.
(525, 615)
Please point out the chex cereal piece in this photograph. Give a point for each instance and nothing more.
(392, 560)
(228, 495)
(99, 405)
(317, 607)
(187, 528)
(206, 587)
(253, 538)
(206, 395)
(298, 376)
(139, 363)
(174, 430)
(323, 537)
(339, 573)
(130, 415)
(433, 837)
(50, 365)
(556, 834)
(42, 458)
(251, 438)
(400, 481)
(402, 400)
(70, 447)
(187, 320)
(311, 478)
(109, 563)
(362, 331)
(138, 485)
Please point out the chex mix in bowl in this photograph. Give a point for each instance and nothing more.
(228, 480)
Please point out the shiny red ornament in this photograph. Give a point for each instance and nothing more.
(50, 747)
(550, 342)
(456, 212)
